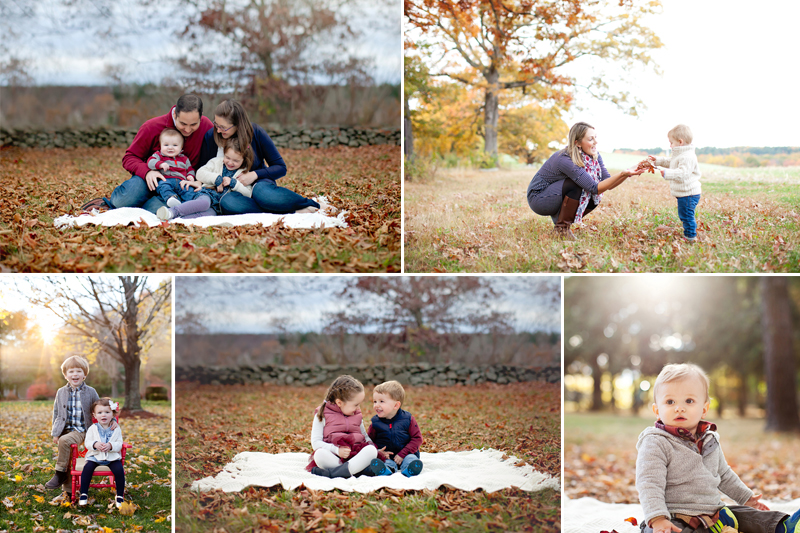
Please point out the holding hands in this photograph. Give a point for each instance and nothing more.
(102, 446)
(196, 185)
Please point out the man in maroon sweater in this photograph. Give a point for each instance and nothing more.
(140, 189)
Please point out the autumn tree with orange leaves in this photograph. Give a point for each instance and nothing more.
(502, 45)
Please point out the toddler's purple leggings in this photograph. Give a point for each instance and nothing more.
(199, 207)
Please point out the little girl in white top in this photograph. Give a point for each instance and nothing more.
(683, 174)
(103, 447)
(338, 437)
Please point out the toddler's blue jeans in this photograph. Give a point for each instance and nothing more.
(686, 207)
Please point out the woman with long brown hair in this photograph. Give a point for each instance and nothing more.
(231, 122)
(571, 183)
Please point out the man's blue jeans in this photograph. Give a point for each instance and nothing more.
(133, 192)
(686, 207)
(392, 466)
(267, 198)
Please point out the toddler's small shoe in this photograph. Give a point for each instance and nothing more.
(791, 524)
(413, 469)
(118, 501)
(379, 468)
(726, 518)
(83, 500)
(164, 212)
(173, 201)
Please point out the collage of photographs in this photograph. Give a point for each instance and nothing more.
(376, 266)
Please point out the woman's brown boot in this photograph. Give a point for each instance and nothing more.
(566, 216)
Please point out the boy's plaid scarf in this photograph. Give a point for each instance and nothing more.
(702, 428)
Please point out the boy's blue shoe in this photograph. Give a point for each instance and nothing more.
(378, 468)
(726, 518)
(413, 468)
(791, 524)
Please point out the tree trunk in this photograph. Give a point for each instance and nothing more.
(742, 395)
(597, 380)
(490, 113)
(779, 363)
(132, 357)
(408, 133)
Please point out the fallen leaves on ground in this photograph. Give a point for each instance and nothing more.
(600, 457)
(213, 424)
(465, 222)
(27, 462)
(39, 185)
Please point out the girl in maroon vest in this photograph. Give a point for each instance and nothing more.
(338, 437)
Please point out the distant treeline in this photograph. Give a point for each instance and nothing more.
(737, 156)
(226, 349)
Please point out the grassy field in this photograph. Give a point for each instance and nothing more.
(600, 456)
(476, 221)
(27, 462)
(39, 185)
(213, 424)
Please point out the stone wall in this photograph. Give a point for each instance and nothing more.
(295, 139)
(408, 374)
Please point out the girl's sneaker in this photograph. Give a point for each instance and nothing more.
(118, 501)
(84, 499)
(164, 213)
(413, 469)
(379, 468)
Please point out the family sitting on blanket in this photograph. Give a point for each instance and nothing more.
(342, 446)
(203, 141)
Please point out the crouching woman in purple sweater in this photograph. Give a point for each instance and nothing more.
(572, 182)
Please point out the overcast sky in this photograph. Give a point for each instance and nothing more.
(66, 51)
(246, 304)
(729, 73)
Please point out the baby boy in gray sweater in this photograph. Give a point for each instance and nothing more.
(680, 468)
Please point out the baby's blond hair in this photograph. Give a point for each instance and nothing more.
(678, 372)
(681, 132)
(75, 361)
(392, 389)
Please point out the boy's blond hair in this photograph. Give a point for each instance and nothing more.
(678, 372)
(681, 132)
(392, 389)
(75, 361)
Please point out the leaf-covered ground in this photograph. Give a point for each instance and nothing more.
(39, 185)
(213, 424)
(474, 221)
(27, 461)
(600, 456)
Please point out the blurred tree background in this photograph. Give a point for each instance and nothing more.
(620, 331)
(81, 63)
(113, 322)
(311, 320)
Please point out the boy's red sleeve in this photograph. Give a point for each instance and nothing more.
(415, 440)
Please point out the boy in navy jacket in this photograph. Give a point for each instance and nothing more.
(395, 432)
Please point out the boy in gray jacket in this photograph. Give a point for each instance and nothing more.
(680, 468)
(71, 415)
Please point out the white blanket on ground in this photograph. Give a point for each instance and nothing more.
(137, 216)
(587, 515)
(472, 470)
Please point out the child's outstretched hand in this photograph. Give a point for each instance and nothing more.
(344, 452)
(755, 504)
(662, 525)
(651, 157)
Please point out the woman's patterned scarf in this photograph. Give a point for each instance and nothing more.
(594, 170)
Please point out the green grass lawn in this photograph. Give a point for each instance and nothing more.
(27, 460)
(472, 221)
(213, 424)
(40, 185)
